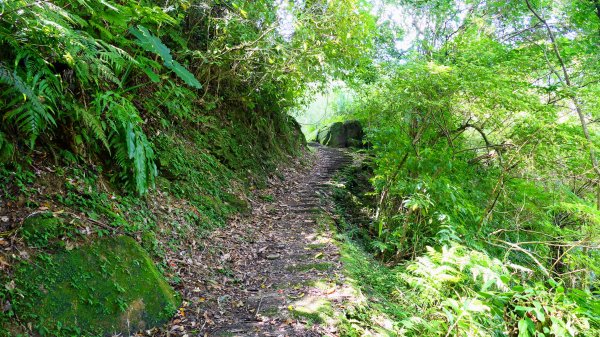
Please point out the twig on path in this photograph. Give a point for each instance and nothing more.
(258, 308)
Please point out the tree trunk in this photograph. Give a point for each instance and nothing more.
(566, 80)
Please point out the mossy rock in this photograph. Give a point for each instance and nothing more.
(338, 134)
(105, 288)
(332, 135)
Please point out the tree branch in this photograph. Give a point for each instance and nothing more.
(572, 96)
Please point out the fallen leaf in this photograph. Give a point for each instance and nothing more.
(10, 286)
(206, 318)
(272, 256)
(295, 297)
(3, 262)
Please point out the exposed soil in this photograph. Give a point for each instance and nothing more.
(255, 276)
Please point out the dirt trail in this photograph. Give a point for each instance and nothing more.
(272, 272)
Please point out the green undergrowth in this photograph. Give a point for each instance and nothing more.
(452, 289)
(373, 307)
(194, 174)
(376, 306)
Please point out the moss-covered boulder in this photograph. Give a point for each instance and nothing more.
(354, 132)
(338, 134)
(332, 135)
(105, 288)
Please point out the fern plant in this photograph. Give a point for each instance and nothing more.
(130, 147)
(6, 148)
(53, 63)
(482, 296)
(22, 106)
(153, 44)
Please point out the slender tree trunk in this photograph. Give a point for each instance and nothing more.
(566, 80)
(597, 5)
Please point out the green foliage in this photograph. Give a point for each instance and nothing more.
(194, 175)
(6, 148)
(77, 74)
(153, 44)
(42, 229)
(26, 110)
(483, 220)
(131, 149)
(463, 292)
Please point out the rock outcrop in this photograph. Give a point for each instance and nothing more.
(105, 288)
(346, 134)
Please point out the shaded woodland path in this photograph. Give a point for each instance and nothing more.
(269, 273)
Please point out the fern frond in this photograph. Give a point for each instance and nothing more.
(92, 122)
(6, 148)
(153, 44)
(131, 149)
(25, 108)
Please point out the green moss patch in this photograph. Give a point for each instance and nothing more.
(311, 266)
(316, 246)
(317, 310)
(40, 230)
(105, 288)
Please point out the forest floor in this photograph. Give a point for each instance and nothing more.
(273, 272)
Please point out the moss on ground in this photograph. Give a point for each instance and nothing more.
(323, 266)
(108, 287)
(316, 246)
(40, 230)
(316, 310)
